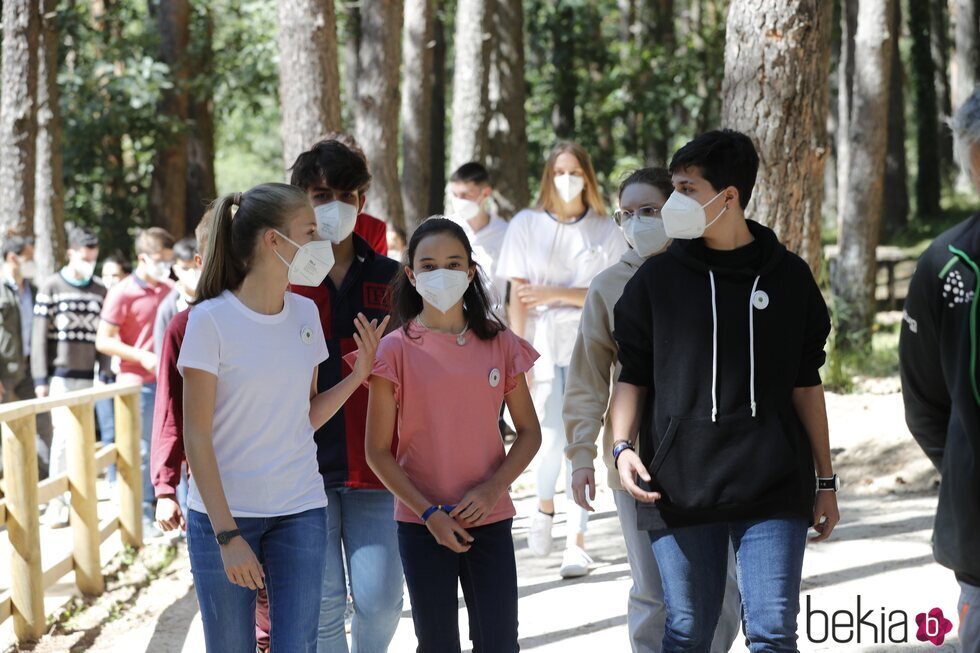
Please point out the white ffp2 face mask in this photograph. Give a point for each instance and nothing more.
(646, 236)
(335, 220)
(463, 208)
(569, 186)
(442, 288)
(311, 263)
(684, 218)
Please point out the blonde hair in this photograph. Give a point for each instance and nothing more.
(232, 238)
(548, 198)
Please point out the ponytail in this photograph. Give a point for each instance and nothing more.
(233, 237)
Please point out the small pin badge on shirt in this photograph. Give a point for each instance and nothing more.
(306, 335)
(494, 377)
(760, 300)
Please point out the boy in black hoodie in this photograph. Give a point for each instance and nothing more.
(940, 383)
(721, 341)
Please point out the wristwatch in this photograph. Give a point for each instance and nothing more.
(828, 483)
(227, 536)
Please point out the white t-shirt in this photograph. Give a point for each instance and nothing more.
(487, 243)
(544, 251)
(263, 439)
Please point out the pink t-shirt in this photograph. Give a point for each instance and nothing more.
(449, 399)
(132, 306)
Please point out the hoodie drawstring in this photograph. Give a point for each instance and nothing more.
(755, 285)
(714, 347)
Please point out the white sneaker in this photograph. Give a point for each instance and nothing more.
(539, 536)
(574, 563)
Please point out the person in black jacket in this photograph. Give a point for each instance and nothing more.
(721, 340)
(938, 352)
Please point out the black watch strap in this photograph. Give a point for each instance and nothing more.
(227, 536)
(828, 483)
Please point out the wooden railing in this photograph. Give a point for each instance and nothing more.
(20, 508)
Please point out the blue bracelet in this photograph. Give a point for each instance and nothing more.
(433, 509)
(620, 448)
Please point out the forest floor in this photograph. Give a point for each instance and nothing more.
(879, 560)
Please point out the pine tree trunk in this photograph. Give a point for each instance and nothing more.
(564, 60)
(508, 126)
(201, 187)
(660, 23)
(416, 110)
(168, 186)
(437, 147)
(940, 56)
(896, 195)
(309, 76)
(777, 58)
(471, 74)
(379, 58)
(853, 280)
(49, 189)
(352, 45)
(928, 178)
(845, 89)
(18, 115)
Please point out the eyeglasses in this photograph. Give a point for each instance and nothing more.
(622, 215)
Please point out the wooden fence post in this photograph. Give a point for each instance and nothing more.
(20, 469)
(129, 460)
(84, 502)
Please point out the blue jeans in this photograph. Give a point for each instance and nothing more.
(106, 416)
(148, 397)
(361, 536)
(769, 558)
(488, 574)
(290, 549)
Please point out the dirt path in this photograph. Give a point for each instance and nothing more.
(880, 556)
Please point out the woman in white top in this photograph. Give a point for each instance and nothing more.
(257, 508)
(550, 255)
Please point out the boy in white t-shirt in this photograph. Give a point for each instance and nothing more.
(469, 195)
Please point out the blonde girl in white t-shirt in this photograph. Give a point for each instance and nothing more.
(257, 507)
(550, 255)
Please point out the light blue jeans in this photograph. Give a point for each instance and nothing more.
(693, 563)
(290, 550)
(362, 551)
(148, 396)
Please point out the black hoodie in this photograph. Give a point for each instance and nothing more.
(720, 340)
(938, 351)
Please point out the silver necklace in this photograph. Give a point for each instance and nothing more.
(460, 337)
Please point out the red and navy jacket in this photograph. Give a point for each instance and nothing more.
(340, 442)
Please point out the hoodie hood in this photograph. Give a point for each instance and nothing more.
(632, 259)
(694, 253)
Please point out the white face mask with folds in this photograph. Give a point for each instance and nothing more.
(335, 220)
(569, 186)
(311, 263)
(465, 209)
(442, 288)
(645, 235)
(684, 218)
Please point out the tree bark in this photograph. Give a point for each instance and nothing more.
(965, 16)
(940, 55)
(777, 58)
(508, 126)
(416, 110)
(18, 115)
(896, 195)
(928, 180)
(201, 187)
(660, 23)
(437, 147)
(853, 281)
(168, 186)
(471, 75)
(309, 75)
(845, 89)
(379, 58)
(564, 60)
(49, 189)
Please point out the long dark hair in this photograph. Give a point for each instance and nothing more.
(406, 302)
(232, 238)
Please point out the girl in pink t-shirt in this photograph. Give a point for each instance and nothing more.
(441, 379)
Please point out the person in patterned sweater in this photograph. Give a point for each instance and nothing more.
(63, 355)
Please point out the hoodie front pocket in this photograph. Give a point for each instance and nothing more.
(737, 460)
